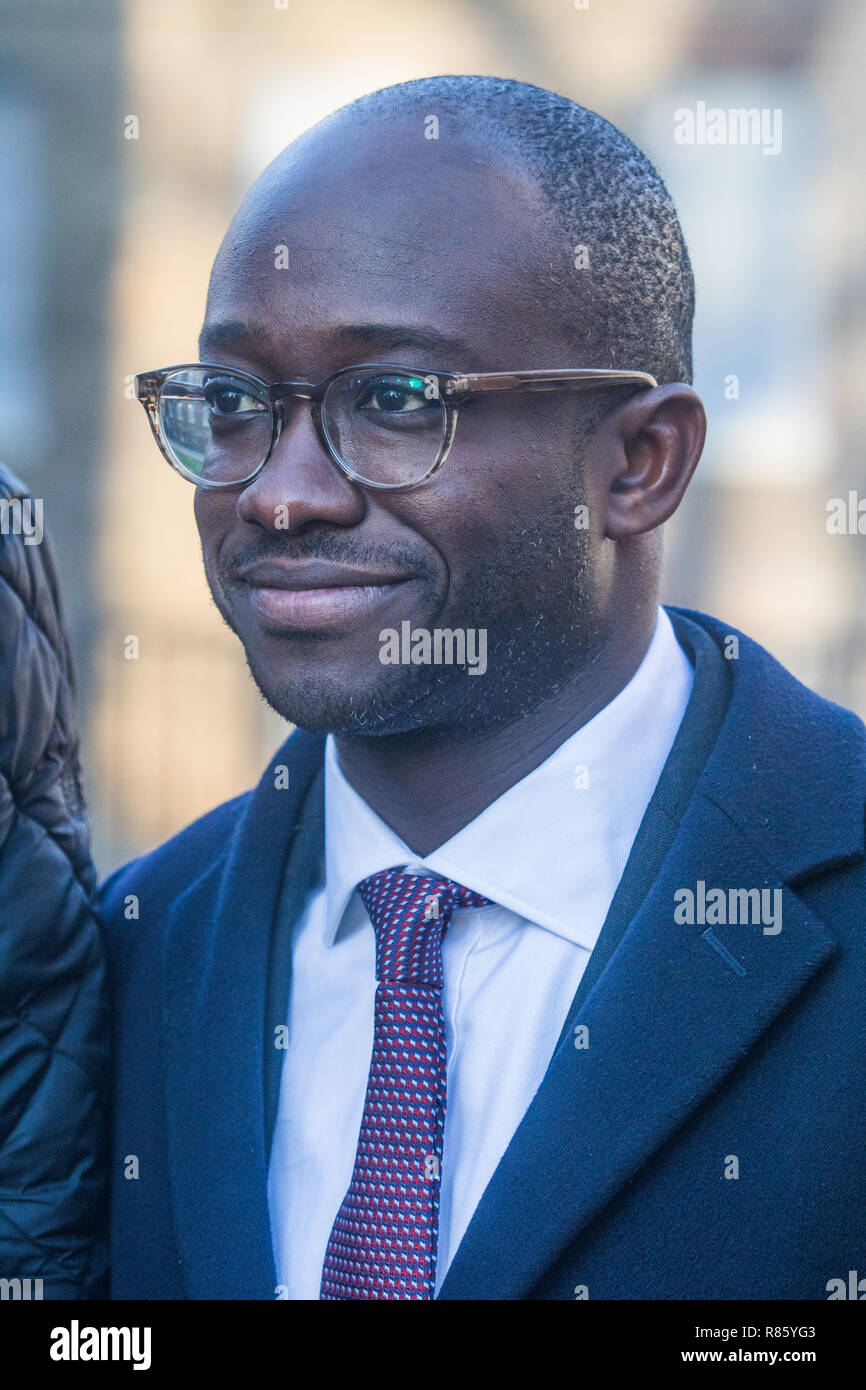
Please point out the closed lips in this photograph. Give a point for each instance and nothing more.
(312, 597)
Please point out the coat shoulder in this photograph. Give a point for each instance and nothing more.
(170, 868)
(202, 847)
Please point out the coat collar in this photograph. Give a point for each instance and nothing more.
(218, 1038)
(789, 767)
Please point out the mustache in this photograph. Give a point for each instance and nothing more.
(321, 546)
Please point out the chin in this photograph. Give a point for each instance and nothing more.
(327, 706)
(323, 705)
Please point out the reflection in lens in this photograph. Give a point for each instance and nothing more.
(386, 426)
(216, 425)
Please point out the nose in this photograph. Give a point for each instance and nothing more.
(300, 483)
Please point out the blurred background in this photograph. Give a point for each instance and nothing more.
(106, 244)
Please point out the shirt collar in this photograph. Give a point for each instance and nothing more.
(553, 847)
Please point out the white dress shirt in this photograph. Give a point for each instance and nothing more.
(549, 852)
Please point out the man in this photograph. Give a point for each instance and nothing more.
(528, 971)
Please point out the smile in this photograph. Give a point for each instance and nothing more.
(306, 609)
(307, 595)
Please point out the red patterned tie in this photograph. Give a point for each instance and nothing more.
(383, 1243)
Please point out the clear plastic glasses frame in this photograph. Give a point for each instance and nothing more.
(449, 388)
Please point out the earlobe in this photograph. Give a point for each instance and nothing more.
(659, 436)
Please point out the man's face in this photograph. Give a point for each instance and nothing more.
(433, 255)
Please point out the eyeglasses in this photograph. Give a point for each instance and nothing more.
(384, 426)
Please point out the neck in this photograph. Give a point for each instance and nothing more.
(428, 785)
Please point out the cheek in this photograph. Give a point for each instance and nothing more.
(513, 463)
(214, 516)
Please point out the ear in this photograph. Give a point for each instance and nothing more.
(650, 446)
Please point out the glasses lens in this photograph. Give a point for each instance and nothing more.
(386, 426)
(216, 425)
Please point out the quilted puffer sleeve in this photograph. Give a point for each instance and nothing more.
(53, 1016)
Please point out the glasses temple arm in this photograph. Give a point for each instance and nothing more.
(556, 379)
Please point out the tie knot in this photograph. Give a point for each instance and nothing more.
(409, 913)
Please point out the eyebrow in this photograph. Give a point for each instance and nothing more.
(233, 336)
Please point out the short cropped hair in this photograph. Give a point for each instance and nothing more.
(604, 194)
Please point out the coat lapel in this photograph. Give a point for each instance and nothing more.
(215, 993)
(674, 1011)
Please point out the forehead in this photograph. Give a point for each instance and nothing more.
(378, 225)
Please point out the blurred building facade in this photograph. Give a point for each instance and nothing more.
(132, 131)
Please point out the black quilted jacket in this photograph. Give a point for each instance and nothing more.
(53, 1027)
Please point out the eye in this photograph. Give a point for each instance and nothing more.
(392, 395)
(227, 396)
